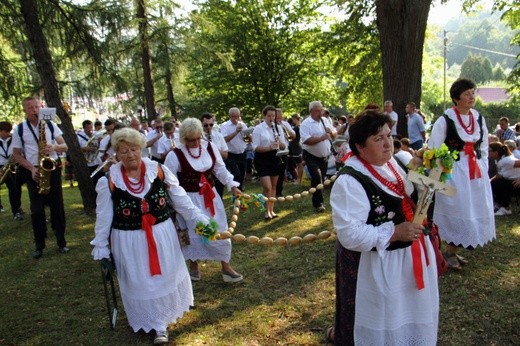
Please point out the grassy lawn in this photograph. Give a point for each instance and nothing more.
(286, 298)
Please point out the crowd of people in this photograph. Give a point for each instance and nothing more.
(173, 175)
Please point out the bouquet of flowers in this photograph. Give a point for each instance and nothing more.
(209, 231)
(445, 157)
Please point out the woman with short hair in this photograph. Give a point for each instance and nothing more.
(133, 224)
(268, 138)
(195, 162)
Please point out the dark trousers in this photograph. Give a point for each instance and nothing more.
(282, 173)
(236, 164)
(317, 167)
(219, 187)
(14, 187)
(503, 189)
(97, 176)
(417, 145)
(55, 201)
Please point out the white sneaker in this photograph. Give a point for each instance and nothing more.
(161, 337)
(503, 211)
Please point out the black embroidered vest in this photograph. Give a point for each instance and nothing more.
(128, 208)
(383, 206)
(188, 177)
(453, 140)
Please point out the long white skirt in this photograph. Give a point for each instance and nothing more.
(199, 248)
(390, 310)
(467, 218)
(152, 302)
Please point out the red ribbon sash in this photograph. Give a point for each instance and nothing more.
(147, 221)
(207, 191)
(408, 212)
(474, 169)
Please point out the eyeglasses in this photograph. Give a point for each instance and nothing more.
(209, 125)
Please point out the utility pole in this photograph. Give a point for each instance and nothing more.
(445, 63)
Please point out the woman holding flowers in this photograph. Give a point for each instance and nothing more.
(465, 220)
(133, 222)
(386, 277)
(196, 162)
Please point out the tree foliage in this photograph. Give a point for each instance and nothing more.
(477, 68)
(252, 53)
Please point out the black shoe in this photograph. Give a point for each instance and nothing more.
(37, 254)
(63, 249)
(320, 209)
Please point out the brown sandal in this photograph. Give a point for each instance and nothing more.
(453, 261)
(329, 335)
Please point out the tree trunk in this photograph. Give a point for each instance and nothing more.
(169, 90)
(402, 28)
(146, 60)
(47, 74)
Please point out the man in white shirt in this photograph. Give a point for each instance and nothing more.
(168, 141)
(389, 110)
(237, 161)
(316, 139)
(89, 146)
(26, 150)
(13, 181)
(208, 124)
(152, 140)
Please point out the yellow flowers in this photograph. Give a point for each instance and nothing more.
(445, 157)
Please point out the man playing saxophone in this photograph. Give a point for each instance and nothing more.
(8, 171)
(28, 149)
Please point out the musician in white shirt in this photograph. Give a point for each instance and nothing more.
(214, 136)
(268, 138)
(316, 139)
(237, 161)
(168, 141)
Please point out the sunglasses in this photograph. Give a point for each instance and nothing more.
(208, 125)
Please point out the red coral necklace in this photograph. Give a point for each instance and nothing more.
(407, 203)
(471, 126)
(138, 187)
(194, 156)
(398, 187)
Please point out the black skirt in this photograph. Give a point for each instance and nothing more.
(267, 163)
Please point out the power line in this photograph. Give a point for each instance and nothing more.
(484, 50)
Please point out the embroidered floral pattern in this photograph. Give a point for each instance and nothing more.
(380, 210)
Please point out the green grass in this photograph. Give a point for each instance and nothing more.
(286, 298)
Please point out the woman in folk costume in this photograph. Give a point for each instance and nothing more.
(196, 162)
(467, 219)
(386, 274)
(133, 221)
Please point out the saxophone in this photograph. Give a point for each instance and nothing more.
(45, 163)
(8, 169)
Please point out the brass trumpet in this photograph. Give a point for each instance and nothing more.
(247, 135)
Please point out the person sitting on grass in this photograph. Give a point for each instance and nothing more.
(502, 183)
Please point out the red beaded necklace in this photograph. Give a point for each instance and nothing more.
(138, 187)
(407, 203)
(194, 156)
(398, 187)
(471, 126)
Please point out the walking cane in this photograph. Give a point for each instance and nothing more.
(107, 274)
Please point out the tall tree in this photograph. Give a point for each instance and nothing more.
(402, 29)
(45, 68)
(146, 59)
